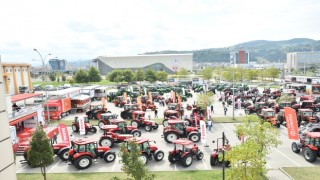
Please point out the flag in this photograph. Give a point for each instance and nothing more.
(203, 131)
(125, 96)
(173, 96)
(139, 102)
(292, 124)
(82, 127)
(63, 130)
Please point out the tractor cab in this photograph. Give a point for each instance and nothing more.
(313, 139)
(173, 106)
(259, 105)
(88, 127)
(138, 114)
(269, 116)
(305, 115)
(128, 107)
(171, 114)
(96, 106)
(284, 104)
(310, 144)
(95, 110)
(108, 116)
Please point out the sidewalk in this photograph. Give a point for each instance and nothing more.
(277, 174)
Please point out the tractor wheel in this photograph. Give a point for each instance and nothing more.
(158, 155)
(122, 115)
(90, 116)
(253, 98)
(144, 158)
(187, 122)
(101, 124)
(109, 157)
(278, 124)
(98, 115)
(247, 111)
(136, 133)
(310, 155)
(172, 159)
(64, 154)
(83, 162)
(155, 126)
(213, 161)
(75, 128)
(186, 160)
(170, 137)
(93, 129)
(86, 131)
(165, 123)
(148, 128)
(272, 97)
(194, 137)
(60, 117)
(108, 99)
(106, 142)
(200, 156)
(135, 123)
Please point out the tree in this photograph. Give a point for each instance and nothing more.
(162, 76)
(40, 153)
(262, 73)
(218, 72)
(115, 76)
(94, 75)
(81, 76)
(204, 100)
(227, 74)
(52, 76)
(251, 74)
(183, 72)
(127, 75)
(132, 165)
(207, 73)
(150, 75)
(273, 72)
(247, 160)
(64, 78)
(139, 75)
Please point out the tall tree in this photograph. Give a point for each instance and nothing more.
(150, 75)
(207, 73)
(183, 72)
(247, 160)
(132, 165)
(115, 76)
(40, 153)
(162, 76)
(81, 76)
(52, 76)
(262, 74)
(273, 72)
(139, 75)
(64, 78)
(127, 75)
(204, 100)
(94, 75)
(251, 74)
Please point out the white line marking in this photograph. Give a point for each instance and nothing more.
(22, 168)
(54, 165)
(204, 164)
(268, 166)
(287, 157)
(113, 167)
(226, 128)
(175, 167)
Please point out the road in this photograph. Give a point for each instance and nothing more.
(282, 156)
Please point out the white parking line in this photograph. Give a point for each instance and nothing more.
(204, 164)
(175, 167)
(114, 165)
(287, 157)
(22, 168)
(54, 165)
(226, 128)
(269, 167)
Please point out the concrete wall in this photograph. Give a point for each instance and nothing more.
(16, 75)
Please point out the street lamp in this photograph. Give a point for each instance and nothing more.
(42, 59)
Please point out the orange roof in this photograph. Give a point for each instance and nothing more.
(24, 96)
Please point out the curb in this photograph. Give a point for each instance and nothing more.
(284, 172)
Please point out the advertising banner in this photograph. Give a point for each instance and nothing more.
(63, 130)
(103, 100)
(173, 96)
(179, 99)
(203, 131)
(208, 112)
(292, 124)
(139, 102)
(82, 128)
(125, 96)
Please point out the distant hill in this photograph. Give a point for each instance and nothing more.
(259, 50)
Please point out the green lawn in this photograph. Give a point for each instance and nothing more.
(163, 175)
(305, 173)
(226, 119)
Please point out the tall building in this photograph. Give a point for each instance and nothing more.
(240, 57)
(302, 60)
(7, 164)
(159, 62)
(58, 64)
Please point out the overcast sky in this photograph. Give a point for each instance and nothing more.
(85, 29)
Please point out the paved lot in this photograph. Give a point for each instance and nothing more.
(280, 157)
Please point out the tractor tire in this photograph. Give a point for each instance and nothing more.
(98, 116)
(135, 123)
(109, 157)
(148, 128)
(93, 129)
(247, 112)
(108, 98)
(309, 154)
(165, 123)
(101, 124)
(83, 162)
(194, 137)
(187, 122)
(122, 115)
(272, 97)
(156, 126)
(60, 117)
(158, 155)
(106, 142)
(75, 128)
(144, 158)
(64, 154)
(278, 125)
(172, 159)
(86, 131)
(186, 160)
(213, 161)
(136, 133)
(200, 156)
(170, 137)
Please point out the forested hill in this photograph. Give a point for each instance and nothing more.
(259, 50)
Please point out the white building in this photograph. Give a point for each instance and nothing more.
(301, 60)
(7, 164)
(166, 62)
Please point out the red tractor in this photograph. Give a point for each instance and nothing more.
(88, 127)
(140, 121)
(256, 108)
(275, 94)
(170, 115)
(216, 155)
(148, 105)
(147, 151)
(177, 129)
(185, 154)
(106, 119)
(119, 101)
(268, 115)
(310, 145)
(305, 116)
(128, 109)
(95, 110)
(120, 126)
(83, 151)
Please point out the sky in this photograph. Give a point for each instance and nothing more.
(78, 30)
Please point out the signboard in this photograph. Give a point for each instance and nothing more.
(171, 80)
(315, 81)
(287, 79)
(301, 79)
(208, 112)
(82, 128)
(195, 79)
(31, 123)
(291, 121)
(63, 130)
(203, 131)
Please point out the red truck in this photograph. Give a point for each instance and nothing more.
(58, 108)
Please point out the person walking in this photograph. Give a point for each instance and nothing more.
(223, 103)
(225, 110)
(212, 108)
(209, 124)
(156, 113)
(54, 138)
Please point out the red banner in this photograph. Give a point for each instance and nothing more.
(64, 133)
(125, 96)
(292, 124)
(139, 102)
(150, 96)
(179, 99)
(103, 100)
(174, 97)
